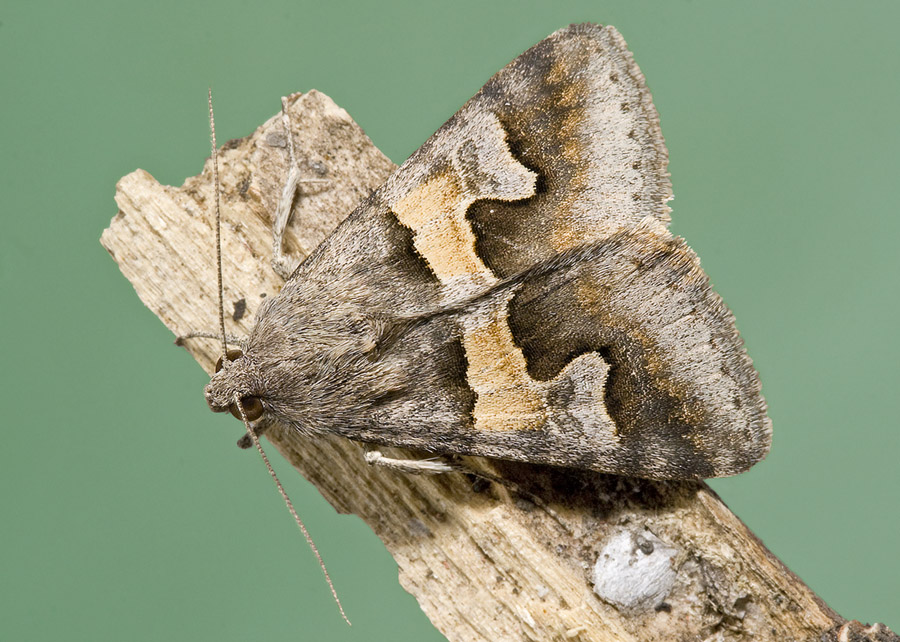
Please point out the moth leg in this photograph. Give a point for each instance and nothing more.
(200, 334)
(412, 466)
(262, 425)
(438, 467)
(284, 265)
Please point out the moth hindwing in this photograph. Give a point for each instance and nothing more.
(512, 291)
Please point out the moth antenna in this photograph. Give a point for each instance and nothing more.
(290, 506)
(215, 159)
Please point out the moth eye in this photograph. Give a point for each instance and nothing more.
(253, 408)
(233, 355)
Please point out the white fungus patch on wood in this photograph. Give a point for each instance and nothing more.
(634, 570)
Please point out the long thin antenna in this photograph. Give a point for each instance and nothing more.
(215, 159)
(237, 398)
(290, 505)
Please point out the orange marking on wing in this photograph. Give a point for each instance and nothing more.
(436, 212)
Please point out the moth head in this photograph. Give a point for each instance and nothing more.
(236, 377)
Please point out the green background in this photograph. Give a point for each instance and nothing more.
(127, 512)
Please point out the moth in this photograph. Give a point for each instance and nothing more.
(512, 291)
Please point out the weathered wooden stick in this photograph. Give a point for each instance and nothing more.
(551, 554)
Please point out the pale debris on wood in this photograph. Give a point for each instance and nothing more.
(634, 570)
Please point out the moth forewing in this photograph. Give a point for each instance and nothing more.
(591, 338)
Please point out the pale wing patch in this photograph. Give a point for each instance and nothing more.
(508, 398)
(436, 212)
(482, 167)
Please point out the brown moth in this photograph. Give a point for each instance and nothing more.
(512, 291)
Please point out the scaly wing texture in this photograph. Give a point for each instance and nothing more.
(591, 337)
